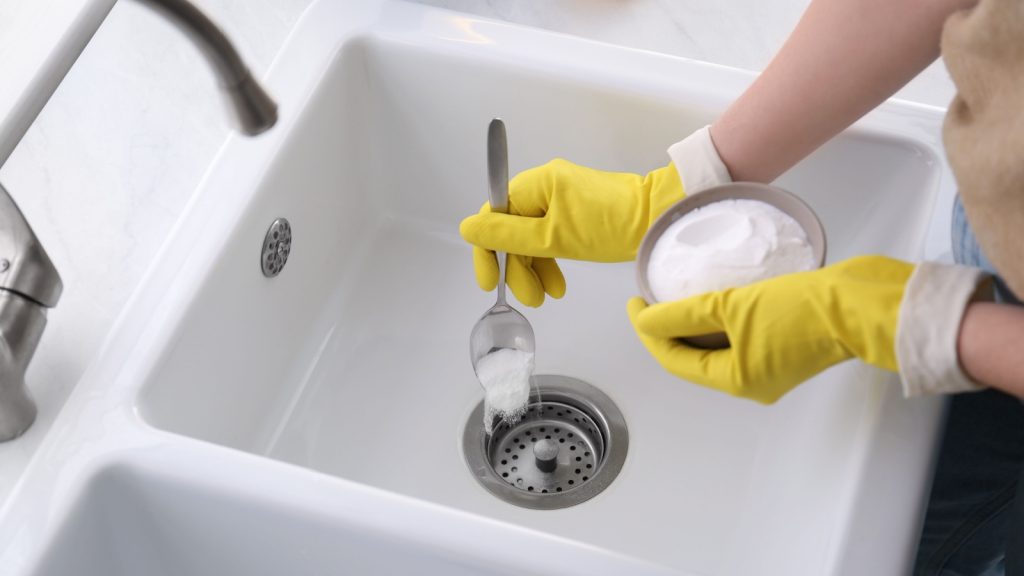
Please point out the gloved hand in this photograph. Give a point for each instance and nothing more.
(562, 210)
(786, 329)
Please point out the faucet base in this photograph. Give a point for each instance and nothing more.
(21, 326)
(17, 410)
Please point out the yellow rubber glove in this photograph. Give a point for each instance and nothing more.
(562, 210)
(782, 330)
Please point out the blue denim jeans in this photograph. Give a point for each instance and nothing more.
(973, 525)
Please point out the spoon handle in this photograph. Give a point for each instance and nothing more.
(497, 177)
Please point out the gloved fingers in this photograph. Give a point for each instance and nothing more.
(696, 365)
(550, 276)
(523, 281)
(530, 190)
(508, 233)
(693, 316)
(485, 266)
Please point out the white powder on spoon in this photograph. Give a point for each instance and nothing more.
(726, 244)
(505, 376)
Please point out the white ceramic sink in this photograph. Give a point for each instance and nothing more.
(149, 516)
(331, 399)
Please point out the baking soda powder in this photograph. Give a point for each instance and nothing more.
(505, 375)
(726, 244)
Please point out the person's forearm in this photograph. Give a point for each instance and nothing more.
(844, 58)
(991, 346)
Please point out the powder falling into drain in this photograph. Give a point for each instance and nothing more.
(505, 376)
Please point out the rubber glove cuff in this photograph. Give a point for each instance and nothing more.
(933, 307)
(700, 167)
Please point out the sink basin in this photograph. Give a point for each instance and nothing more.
(345, 380)
(148, 516)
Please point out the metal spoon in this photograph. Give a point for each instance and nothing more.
(502, 326)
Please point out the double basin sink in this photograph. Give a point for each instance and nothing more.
(311, 422)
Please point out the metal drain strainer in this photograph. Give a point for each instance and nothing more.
(567, 449)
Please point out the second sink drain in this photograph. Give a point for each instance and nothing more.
(567, 449)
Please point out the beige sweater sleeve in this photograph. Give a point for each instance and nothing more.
(984, 129)
(932, 309)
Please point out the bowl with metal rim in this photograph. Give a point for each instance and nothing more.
(783, 200)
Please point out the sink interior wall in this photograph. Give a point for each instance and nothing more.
(354, 361)
(436, 107)
(214, 386)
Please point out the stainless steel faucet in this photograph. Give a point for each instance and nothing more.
(29, 282)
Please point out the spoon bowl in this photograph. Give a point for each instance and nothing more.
(502, 326)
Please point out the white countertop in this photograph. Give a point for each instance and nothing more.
(38, 42)
(113, 159)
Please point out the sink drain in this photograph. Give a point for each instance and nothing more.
(565, 450)
(277, 245)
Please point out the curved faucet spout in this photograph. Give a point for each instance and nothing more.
(254, 109)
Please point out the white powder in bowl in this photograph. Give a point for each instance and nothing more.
(726, 244)
(505, 376)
